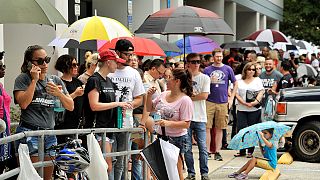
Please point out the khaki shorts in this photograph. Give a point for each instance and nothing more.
(217, 115)
(264, 164)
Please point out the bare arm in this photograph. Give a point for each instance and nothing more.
(137, 101)
(183, 124)
(258, 98)
(95, 105)
(201, 96)
(24, 98)
(66, 101)
(266, 142)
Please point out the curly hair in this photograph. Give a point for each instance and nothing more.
(186, 80)
(28, 55)
(64, 63)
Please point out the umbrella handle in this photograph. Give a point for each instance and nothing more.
(244, 136)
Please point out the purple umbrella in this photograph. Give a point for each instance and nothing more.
(196, 44)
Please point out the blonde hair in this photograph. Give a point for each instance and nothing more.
(93, 59)
(273, 55)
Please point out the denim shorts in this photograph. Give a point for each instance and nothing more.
(181, 142)
(32, 143)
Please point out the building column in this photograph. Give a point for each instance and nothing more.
(263, 21)
(230, 16)
(257, 24)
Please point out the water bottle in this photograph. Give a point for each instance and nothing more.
(119, 117)
(156, 117)
(58, 107)
(128, 118)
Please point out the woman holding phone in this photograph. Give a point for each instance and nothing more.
(35, 96)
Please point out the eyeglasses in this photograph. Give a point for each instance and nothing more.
(160, 73)
(258, 68)
(3, 66)
(195, 61)
(40, 61)
(74, 65)
(127, 54)
(251, 70)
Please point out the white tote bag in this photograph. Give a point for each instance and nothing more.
(97, 169)
(27, 171)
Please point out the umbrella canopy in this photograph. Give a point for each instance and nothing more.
(284, 46)
(249, 137)
(306, 69)
(162, 158)
(96, 28)
(268, 35)
(304, 45)
(93, 45)
(165, 45)
(196, 44)
(185, 20)
(30, 12)
(142, 46)
(238, 44)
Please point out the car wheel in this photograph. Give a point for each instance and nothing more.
(306, 142)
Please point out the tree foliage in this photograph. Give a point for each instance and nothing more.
(301, 20)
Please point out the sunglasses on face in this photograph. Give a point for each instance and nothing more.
(195, 62)
(3, 66)
(74, 65)
(40, 61)
(251, 69)
(258, 68)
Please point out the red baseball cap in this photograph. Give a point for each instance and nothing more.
(110, 55)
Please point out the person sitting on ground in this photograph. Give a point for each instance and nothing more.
(269, 152)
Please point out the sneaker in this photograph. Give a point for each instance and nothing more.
(242, 176)
(233, 175)
(190, 177)
(218, 157)
(209, 156)
(204, 177)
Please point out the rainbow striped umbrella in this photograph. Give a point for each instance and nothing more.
(96, 28)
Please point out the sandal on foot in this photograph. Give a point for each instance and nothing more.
(239, 155)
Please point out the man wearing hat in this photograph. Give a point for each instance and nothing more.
(129, 89)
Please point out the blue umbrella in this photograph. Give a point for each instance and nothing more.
(249, 137)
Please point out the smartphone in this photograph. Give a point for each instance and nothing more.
(29, 66)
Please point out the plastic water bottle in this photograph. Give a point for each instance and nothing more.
(58, 107)
(128, 118)
(156, 118)
(119, 117)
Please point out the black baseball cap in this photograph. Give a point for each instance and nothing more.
(124, 45)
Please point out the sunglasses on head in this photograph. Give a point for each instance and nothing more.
(40, 61)
(195, 62)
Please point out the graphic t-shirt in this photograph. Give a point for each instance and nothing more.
(219, 77)
(201, 84)
(182, 109)
(106, 89)
(40, 111)
(268, 80)
(129, 85)
(285, 82)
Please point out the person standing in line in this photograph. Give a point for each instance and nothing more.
(201, 89)
(35, 92)
(176, 110)
(218, 103)
(100, 101)
(249, 95)
(129, 89)
(91, 65)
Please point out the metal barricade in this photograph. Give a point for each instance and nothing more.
(41, 133)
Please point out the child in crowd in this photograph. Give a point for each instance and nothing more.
(269, 162)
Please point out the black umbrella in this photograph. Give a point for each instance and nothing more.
(165, 45)
(185, 20)
(238, 44)
(71, 43)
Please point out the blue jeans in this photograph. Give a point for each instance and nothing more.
(136, 168)
(118, 145)
(199, 128)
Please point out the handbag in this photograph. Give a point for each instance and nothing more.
(251, 96)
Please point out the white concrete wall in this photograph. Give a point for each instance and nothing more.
(263, 21)
(273, 24)
(246, 24)
(230, 16)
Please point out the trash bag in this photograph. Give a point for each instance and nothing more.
(27, 171)
(285, 158)
(97, 169)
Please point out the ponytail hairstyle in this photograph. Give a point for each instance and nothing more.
(28, 55)
(186, 80)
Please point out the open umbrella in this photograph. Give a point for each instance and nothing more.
(93, 45)
(268, 35)
(185, 20)
(142, 46)
(196, 44)
(306, 69)
(304, 45)
(29, 12)
(249, 137)
(165, 45)
(238, 44)
(284, 46)
(162, 157)
(95, 28)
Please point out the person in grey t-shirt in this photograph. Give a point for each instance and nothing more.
(36, 94)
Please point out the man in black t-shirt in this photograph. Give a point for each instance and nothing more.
(287, 80)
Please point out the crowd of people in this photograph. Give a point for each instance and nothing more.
(194, 99)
